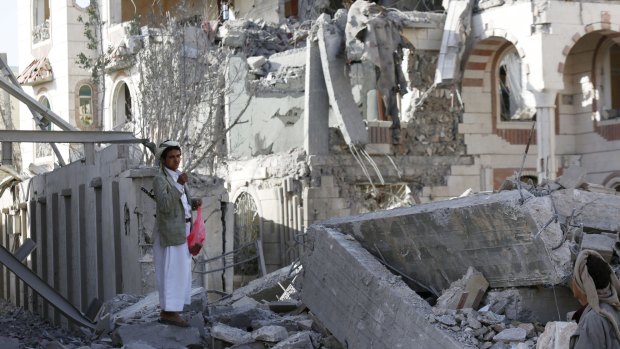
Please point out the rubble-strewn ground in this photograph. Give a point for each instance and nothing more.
(22, 329)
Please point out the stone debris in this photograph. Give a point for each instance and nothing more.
(303, 307)
(156, 335)
(466, 292)
(230, 334)
(272, 334)
(556, 335)
(573, 177)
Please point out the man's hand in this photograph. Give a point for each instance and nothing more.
(196, 203)
(182, 178)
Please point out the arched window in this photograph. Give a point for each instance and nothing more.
(44, 101)
(85, 111)
(515, 102)
(247, 231)
(609, 81)
(122, 110)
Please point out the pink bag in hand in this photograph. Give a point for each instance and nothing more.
(197, 235)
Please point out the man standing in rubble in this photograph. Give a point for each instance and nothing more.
(596, 287)
(173, 221)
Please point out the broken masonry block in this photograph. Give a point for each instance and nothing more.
(230, 334)
(556, 335)
(573, 177)
(510, 241)
(466, 292)
(600, 243)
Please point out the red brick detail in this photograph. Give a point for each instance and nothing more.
(606, 26)
(492, 42)
(561, 67)
(469, 82)
(476, 65)
(516, 136)
(576, 37)
(609, 132)
(480, 52)
(589, 28)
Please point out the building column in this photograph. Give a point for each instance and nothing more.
(316, 108)
(546, 165)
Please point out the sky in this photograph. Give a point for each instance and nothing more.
(8, 26)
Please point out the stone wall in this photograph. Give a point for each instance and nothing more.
(93, 226)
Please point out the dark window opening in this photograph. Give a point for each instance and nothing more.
(504, 94)
(614, 79)
(531, 180)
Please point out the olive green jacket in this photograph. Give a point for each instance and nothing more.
(170, 214)
(595, 331)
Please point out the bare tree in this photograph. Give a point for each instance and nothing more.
(181, 86)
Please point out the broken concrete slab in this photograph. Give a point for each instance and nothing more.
(573, 177)
(456, 31)
(9, 343)
(350, 121)
(344, 281)
(291, 323)
(138, 345)
(255, 345)
(271, 334)
(510, 243)
(243, 317)
(268, 287)
(515, 334)
(230, 334)
(556, 335)
(145, 307)
(531, 304)
(301, 340)
(466, 292)
(156, 335)
(256, 62)
(283, 306)
(600, 243)
(245, 301)
(594, 210)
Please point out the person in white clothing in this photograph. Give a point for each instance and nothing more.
(173, 222)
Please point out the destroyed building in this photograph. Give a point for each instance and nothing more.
(340, 110)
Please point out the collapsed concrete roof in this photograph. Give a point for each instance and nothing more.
(514, 238)
(512, 244)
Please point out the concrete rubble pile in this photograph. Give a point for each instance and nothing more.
(257, 38)
(480, 271)
(496, 267)
(264, 313)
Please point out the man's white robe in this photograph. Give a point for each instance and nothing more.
(173, 265)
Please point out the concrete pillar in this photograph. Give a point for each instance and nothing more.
(316, 109)
(372, 108)
(545, 134)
